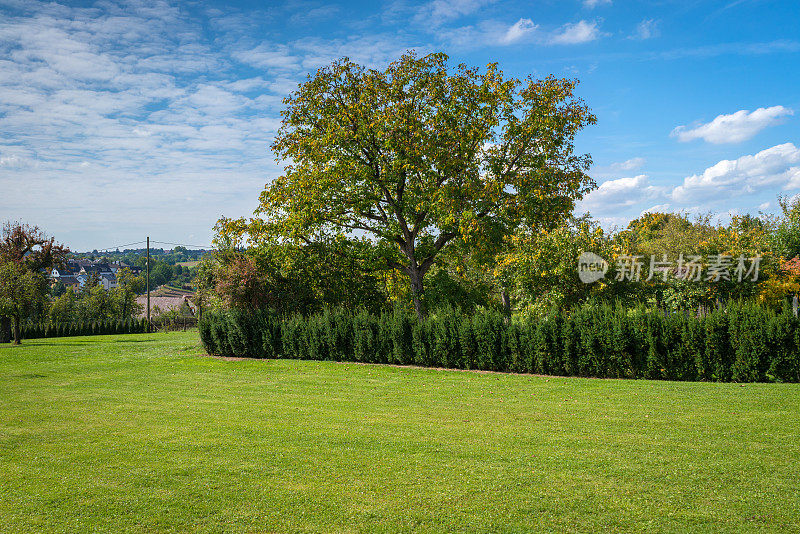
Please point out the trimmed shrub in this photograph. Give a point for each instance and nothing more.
(743, 342)
(49, 330)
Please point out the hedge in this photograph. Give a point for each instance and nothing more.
(42, 330)
(741, 343)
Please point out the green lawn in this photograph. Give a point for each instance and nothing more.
(143, 433)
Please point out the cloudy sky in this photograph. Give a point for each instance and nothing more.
(125, 119)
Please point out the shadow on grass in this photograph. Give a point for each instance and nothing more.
(52, 344)
(39, 342)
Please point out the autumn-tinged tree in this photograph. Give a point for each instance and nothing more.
(542, 267)
(419, 155)
(27, 245)
(290, 277)
(24, 251)
(21, 291)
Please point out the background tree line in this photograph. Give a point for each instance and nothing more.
(93, 303)
(428, 186)
(538, 271)
(178, 254)
(165, 265)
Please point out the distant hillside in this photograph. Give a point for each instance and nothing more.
(175, 267)
(175, 256)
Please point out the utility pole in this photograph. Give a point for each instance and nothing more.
(148, 284)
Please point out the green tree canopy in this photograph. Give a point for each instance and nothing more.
(419, 155)
(786, 234)
(21, 292)
(24, 251)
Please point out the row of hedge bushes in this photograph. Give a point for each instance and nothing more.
(40, 330)
(742, 343)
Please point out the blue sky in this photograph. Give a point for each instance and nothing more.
(125, 119)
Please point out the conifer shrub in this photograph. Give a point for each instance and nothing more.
(401, 336)
(35, 330)
(741, 342)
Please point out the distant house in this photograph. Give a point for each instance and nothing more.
(65, 270)
(82, 279)
(98, 268)
(69, 281)
(78, 271)
(108, 280)
(75, 273)
(105, 276)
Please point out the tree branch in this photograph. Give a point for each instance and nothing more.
(441, 241)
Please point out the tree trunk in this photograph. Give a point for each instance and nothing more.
(506, 300)
(17, 338)
(416, 292)
(5, 329)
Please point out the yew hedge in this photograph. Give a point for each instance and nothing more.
(740, 343)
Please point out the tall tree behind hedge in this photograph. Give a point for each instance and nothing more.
(419, 155)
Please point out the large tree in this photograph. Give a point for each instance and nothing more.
(21, 292)
(25, 251)
(419, 155)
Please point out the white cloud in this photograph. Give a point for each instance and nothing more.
(14, 161)
(734, 128)
(620, 193)
(591, 4)
(109, 113)
(269, 55)
(495, 33)
(438, 12)
(776, 167)
(576, 33)
(628, 165)
(658, 208)
(485, 33)
(247, 84)
(518, 30)
(133, 105)
(617, 168)
(374, 51)
(313, 15)
(646, 29)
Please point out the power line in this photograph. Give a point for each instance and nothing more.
(182, 244)
(118, 246)
(154, 241)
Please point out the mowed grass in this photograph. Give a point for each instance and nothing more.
(144, 433)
